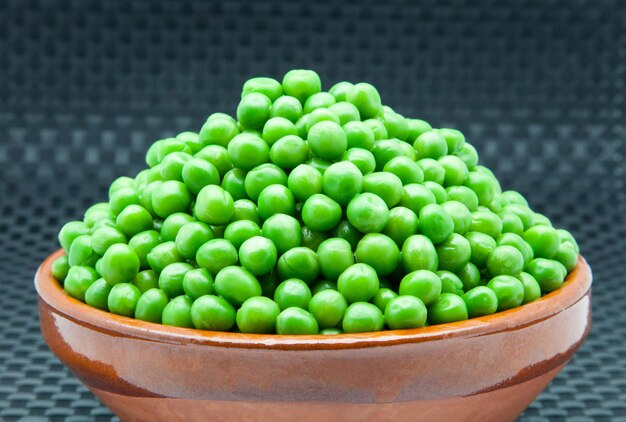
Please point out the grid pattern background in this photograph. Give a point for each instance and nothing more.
(537, 86)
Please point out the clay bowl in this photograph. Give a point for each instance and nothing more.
(483, 369)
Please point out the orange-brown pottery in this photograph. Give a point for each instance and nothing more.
(483, 369)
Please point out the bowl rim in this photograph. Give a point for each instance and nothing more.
(575, 287)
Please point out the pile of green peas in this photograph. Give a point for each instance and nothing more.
(311, 212)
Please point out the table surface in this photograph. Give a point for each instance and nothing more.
(85, 87)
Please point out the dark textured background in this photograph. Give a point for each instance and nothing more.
(85, 86)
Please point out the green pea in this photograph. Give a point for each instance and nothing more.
(386, 186)
(346, 112)
(415, 197)
(216, 155)
(480, 301)
(150, 305)
(455, 170)
(464, 195)
(304, 181)
(145, 280)
(81, 252)
(362, 317)
(385, 150)
(470, 276)
(296, 321)
(172, 225)
(162, 255)
(382, 297)
(342, 181)
(512, 239)
(340, 90)
(460, 214)
(119, 183)
(334, 256)
(261, 177)
(171, 167)
(236, 284)
(524, 213)
(119, 264)
(216, 254)
(483, 185)
(318, 100)
(276, 199)
(454, 138)
(416, 127)
(178, 312)
(450, 283)
(289, 151)
(396, 125)
(327, 140)
(218, 131)
(192, 140)
(239, 231)
(430, 145)
(301, 84)
(359, 135)
(214, 205)
(446, 309)
(191, 236)
(405, 312)
(258, 255)
(258, 315)
(106, 236)
(210, 312)
(171, 278)
(532, 290)
(122, 299)
(321, 213)
(122, 198)
(245, 210)
(366, 99)
(165, 147)
(368, 213)
(468, 154)
(435, 223)
(277, 128)
(60, 267)
(71, 231)
(378, 251)
(407, 170)
(142, 244)
(169, 197)
(542, 220)
(253, 110)
(328, 307)
(284, 231)
(505, 260)
(433, 170)
(547, 272)
(566, 237)
(486, 222)
(248, 151)
(266, 86)
(97, 294)
(567, 256)
(402, 223)
(438, 191)
(454, 253)
(78, 280)
(511, 223)
(288, 107)
(348, 232)
(509, 290)
(198, 173)
(299, 262)
(292, 293)
(481, 245)
(361, 158)
(544, 240)
(419, 253)
(358, 283)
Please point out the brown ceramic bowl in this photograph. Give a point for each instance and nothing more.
(483, 369)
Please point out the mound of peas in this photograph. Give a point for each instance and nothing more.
(311, 212)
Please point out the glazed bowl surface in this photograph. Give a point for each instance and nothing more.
(483, 369)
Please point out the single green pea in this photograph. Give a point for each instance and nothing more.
(340, 90)
(277, 128)
(214, 205)
(261, 177)
(97, 294)
(524, 213)
(316, 116)
(359, 135)
(301, 84)
(143, 243)
(415, 197)
(460, 214)
(454, 253)
(432, 169)
(198, 173)
(532, 290)
(480, 301)
(321, 213)
(455, 170)
(60, 268)
(289, 152)
(284, 231)
(468, 154)
(288, 107)
(298, 262)
(81, 251)
(106, 236)
(358, 283)
(470, 276)
(71, 231)
(566, 237)
(292, 293)
(276, 199)
(407, 170)
(216, 254)
(454, 138)
(192, 140)
(547, 272)
(216, 155)
(171, 278)
(296, 321)
(328, 307)
(511, 223)
(483, 185)
(366, 99)
(514, 197)
(368, 213)
(348, 232)
(318, 100)
(378, 251)
(236, 284)
(145, 280)
(191, 236)
(245, 210)
(405, 312)
(248, 151)
(486, 222)
(334, 256)
(382, 297)
(304, 181)
(346, 112)
(172, 225)
(430, 144)
(416, 127)
(481, 245)
(509, 290)
(396, 125)
(435, 223)
(446, 309)
(197, 282)
(218, 131)
(165, 147)
(512, 239)
(362, 317)
(567, 256)
(96, 214)
(177, 312)
(258, 255)
(78, 280)
(505, 260)
(122, 299)
(122, 198)
(361, 158)
(450, 283)
(171, 167)
(169, 197)
(327, 140)
(464, 195)
(162, 255)
(150, 305)
(402, 223)
(239, 231)
(120, 263)
(419, 253)
(119, 183)
(342, 181)
(266, 86)
(386, 186)
(253, 110)
(211, 312)
(258, 315)
(385, 150)
(544, 240)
